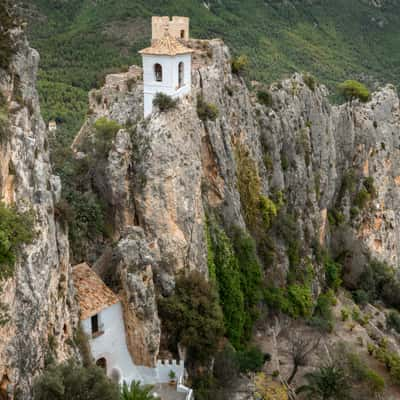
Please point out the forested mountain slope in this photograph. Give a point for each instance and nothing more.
(334, 40)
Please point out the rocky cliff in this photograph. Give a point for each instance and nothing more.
(38, 298)
(332, 170)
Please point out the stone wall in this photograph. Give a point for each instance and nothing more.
(174, 26)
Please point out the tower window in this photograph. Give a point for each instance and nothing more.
(181, 72)
(158, 72)
(182, 34)
(95, 324)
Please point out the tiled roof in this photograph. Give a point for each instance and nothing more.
(167, 46)
(93, 295)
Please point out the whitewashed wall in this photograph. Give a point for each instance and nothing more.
(111, 345)
(170, 83)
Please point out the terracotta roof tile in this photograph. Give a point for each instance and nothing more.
(167, 46)
(93, 295)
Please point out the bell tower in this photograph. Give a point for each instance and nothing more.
(167, 63)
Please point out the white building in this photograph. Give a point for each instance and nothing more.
(52, 126)
(103, 323)
(167, 67)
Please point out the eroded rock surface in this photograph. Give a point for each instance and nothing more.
(39, 297)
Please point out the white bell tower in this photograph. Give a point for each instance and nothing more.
(167, 66)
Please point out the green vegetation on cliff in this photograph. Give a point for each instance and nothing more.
(235, 268)
(15, 229)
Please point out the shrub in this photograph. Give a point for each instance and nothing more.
(207, 387)
(135, 391)
(333, 273)
(105, 131)
(15, 230)
(284, 162)
(240, 64)
(310, 81)
(362, 198)
(192, 317)
(360, 297)
(206, 111)
(375, 381)
(164, 102)
(354, 90)
(345, 314)
(390, 360)
(268, 210)
(264, 97)
(88, 219)
(250, 360)
(336, 217)
(300, 299)
(70, 381)
(380, 282)
(323, 317)
(226, 366)
(329, 382)
(359, 373)
(393, 320)
(295, 301)
(287, 228)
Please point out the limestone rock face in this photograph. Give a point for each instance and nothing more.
(39, 297)
(165, 173)
(137, 259)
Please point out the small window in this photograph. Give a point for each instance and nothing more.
(102, 363)
(181, 72)
(95, 323)
(182, 34)
(158, 72)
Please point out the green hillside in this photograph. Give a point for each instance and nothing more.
(334, 40)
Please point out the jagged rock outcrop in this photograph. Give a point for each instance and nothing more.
(167, 172)
(137, 260)
(39, 297)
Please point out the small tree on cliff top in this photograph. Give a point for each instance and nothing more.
(351, 90)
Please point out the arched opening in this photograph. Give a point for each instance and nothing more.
(181, 69)
(182, 34)
(115, 375)
(158, 72)
(102, 363)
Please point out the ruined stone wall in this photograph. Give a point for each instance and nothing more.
(174, 26)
